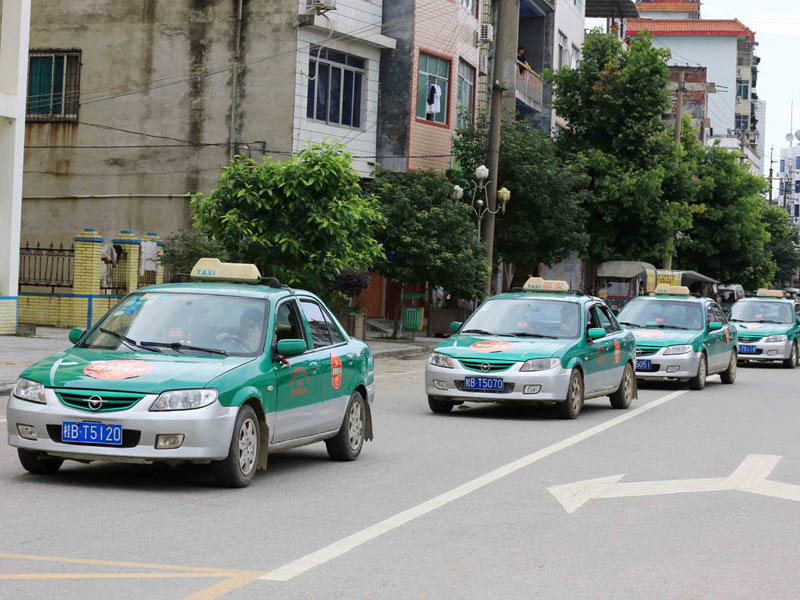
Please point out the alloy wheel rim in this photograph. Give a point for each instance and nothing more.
(576, 392)
(627, 383)
(355, 425)
(248, 446)
(702, 371)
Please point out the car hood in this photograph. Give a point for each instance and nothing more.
(143, 372)
(504, 348)
(663, 337)
(762, 329)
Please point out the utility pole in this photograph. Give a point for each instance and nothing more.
(503, 77)
(771, 150)
(679, 115)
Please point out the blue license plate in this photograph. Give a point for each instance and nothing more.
(644, 365)
(483, 383)
(747, 349)
(91, 433)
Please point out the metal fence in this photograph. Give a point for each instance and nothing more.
(46, 267)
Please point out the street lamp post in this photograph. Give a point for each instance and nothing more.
(480, 205)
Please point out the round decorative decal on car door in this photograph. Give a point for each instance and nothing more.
(336, 371)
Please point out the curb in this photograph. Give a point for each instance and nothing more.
(399, 353)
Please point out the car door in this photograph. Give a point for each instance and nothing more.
(298, 385)
(714, 341)
(594, 357)
(727, 340)
(615, 345)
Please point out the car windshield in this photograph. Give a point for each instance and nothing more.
(183, 324)
(529, 317)
(763, 312)
(667, 314)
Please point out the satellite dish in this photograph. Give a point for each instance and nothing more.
(797, 134)
(789, 137)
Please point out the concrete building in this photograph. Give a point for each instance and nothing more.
(789, 182)
(132, 105)
(14, 20)
(669, 9)
(695, 97)
(570, 24)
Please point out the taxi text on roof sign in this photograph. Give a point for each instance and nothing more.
(537, 284)
(765, 293)
(211, 269)
(672, 290)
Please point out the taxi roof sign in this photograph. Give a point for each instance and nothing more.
(665, 289)
(765, 293)
(537, 284)
(212, 269)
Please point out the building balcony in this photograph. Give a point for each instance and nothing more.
(529, 87)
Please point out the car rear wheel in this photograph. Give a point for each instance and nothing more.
(729, 375)
(440, 406)
(571, 407)
(38, 462)
(623, 397)
(238, 469)
(346, 445)
(791, 362)
(698, 382)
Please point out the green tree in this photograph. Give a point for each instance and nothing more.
(784, 241)
(185, 247)
(729, 238)
(544, 220)
(302, 220)
(641, 189)
(428, 236)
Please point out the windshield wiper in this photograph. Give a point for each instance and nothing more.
(526, 334)
(630, 324)
(481, 331)
(773, 322)
(668, 327)
(177, 346)
(131, 343)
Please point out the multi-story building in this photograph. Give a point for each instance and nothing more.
(570, 20)
(133, 105)
(669, 9)
(789, 182)
(696, 91)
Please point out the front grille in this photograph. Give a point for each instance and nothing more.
(111, 401)
(646, 350)
(507, 388)
(130, 438)
(749, 338)
(491, 366)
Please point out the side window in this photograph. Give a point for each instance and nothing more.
(709, 314)
(320, 333)
(591, 319)
(336, 335)
(718, 314)
(602, 319)
(287, 322)
(606, 314)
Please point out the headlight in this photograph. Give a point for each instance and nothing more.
(776, 338)
(32, 391)
(679, 349)
(540, 364)
(184, 399)
(441, 360)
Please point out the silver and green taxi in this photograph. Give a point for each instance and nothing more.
(680, 337)
(768, 328)
(542, 344)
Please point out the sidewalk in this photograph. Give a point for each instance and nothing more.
(16, 353)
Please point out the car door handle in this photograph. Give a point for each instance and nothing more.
(313, 366)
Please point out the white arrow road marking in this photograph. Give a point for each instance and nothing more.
(750, 476)
(336, 549)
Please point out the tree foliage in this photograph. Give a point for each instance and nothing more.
(184, 248)
(544, 220)
(428, 236)
(302, 220)
(641, 187)
(784, 240)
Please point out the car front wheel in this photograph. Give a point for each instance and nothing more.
(38, 462)
(346, 445)
(623, 397)
(238, 469)
(698, 382)
(571, 407)
(791, 362)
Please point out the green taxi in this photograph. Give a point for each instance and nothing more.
(542, 344)
(223, 370)
(768, 327)
(680, 337)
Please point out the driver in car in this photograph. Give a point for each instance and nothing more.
(248, 336)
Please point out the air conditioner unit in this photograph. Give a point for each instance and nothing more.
(485, 34)
(320, 6)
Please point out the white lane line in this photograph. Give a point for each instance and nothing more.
(336, 549)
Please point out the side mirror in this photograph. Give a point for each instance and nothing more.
(75, 334)
(455, 326)
(595, 333)
(798, 319)
(291, 347)
(714, 326)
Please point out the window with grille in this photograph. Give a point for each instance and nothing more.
(742, 89)
(466, 94)
(471, 6)
(433, 71)
(335, 87)
(783, 165)
(797, 187)
(563, 52)
(53, 85)
(742, 122)
(797, 162)
(576, 57)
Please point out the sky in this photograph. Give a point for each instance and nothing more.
(777, 27)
